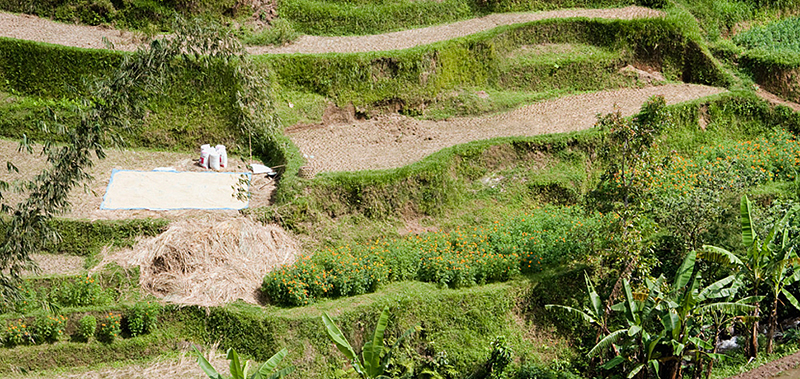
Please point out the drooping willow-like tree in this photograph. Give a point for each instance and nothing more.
(112, 107)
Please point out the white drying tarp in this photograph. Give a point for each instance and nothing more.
(162, 190)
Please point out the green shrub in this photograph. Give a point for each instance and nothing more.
(17, 332)
(534, 371)
(141, 318)
(109, 327)
(50, 328)
(791, 336)
(87, 326)
(23, 301)
(82, 292)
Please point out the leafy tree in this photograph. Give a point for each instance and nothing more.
(240, 371)
(374, 357)
(772, 262)
(626, 144)
(625, 147)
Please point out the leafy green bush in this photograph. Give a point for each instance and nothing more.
(460, 258)
(87, 326)
(50, 328)
(534, 371)
(17, 333)
(141, 318)
(25, 299)
(109, 327)
(82, 292)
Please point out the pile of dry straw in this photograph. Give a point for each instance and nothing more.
(209, 262)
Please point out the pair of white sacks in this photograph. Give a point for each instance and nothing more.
(213, 157)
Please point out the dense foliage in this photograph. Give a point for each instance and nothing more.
(461, 258)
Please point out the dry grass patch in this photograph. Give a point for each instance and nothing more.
(207, 261)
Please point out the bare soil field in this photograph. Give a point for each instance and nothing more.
(86, 204)
(33, 28)
(394, 140)
(417, 37)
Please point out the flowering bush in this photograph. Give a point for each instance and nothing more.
(460, 258)
(141, 318)
(50, 328)
(86, 328)
(17, 333)
(109, 327)
(727, 166)
(25, 299)
(83, 292)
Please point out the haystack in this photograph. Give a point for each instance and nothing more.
(209, 262)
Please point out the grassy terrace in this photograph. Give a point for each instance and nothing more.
(464, 246)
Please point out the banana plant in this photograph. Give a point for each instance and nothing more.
(662, 326)
(239, 371)
(772, 262)
(373, 360)
(683, 307)
(716, 319)
(593, 314)
(637, 350)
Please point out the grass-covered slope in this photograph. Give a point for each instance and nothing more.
(360, 17)
(42, 80)
(518, 64)
(551, 56)
(136, 14)
(458, 325)
(771, 54)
